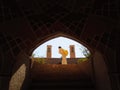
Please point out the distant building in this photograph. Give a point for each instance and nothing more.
(49, 51)
(72, 51)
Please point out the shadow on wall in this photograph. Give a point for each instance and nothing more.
(20, 76)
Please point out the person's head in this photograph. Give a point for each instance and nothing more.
(59, 47)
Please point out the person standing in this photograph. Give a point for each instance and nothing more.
(64, 53)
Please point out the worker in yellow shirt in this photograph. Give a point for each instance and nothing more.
(64, 53)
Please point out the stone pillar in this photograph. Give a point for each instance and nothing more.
(49, 51)
(72, 51)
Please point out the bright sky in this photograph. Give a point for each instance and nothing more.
(56, 42)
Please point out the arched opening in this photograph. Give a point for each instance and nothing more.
(47, 51)
(41, 51)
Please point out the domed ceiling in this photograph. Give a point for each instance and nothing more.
(28, 21)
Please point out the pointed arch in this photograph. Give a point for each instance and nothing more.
(40, 41)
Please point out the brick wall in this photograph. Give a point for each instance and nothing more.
(58, 60)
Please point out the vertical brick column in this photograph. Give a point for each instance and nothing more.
(49, 51)
(72, 51)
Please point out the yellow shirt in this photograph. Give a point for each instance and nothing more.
(63, 52)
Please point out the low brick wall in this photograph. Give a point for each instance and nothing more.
(58, 60)
(61, 72)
